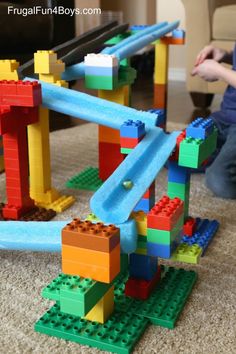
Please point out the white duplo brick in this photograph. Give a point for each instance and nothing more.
(103, 60)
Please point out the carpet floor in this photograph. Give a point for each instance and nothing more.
(207, 324)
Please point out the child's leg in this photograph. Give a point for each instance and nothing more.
(221, 175)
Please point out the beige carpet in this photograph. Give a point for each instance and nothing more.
(208, 322)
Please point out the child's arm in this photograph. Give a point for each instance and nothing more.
(210, 70)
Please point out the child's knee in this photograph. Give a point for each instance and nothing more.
(218, 182)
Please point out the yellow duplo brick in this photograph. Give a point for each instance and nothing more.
(62, 83)
(39, 153)
(46, 62)
(161, 63)
(103, 309)
(119, 95)
(8, 69)
(141, 222)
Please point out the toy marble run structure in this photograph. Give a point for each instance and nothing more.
(112, 284)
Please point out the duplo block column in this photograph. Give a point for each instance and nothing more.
(19, 107)
(41, 190)
(8, 71)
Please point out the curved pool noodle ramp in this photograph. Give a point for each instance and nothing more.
(113, 203)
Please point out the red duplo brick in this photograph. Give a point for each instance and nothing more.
(142, 289)
(129, 143)
(165, 214)
(19, 93)
(189, 227)
(110, 158)
(175, 155)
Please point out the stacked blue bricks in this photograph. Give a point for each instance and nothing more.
(142, 266)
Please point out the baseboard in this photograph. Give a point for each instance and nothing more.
(177, 74)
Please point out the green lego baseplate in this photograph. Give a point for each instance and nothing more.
(167, 300)
(130, 318)
(118, 335)
(88, 179)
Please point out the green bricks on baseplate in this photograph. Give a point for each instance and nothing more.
(88, 179)
(77, 295)
(130, 318)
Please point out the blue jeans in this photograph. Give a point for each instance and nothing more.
(221, 175)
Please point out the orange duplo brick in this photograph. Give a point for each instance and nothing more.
(108, 135)
(84, 234)
(104, 267)
(160, 96)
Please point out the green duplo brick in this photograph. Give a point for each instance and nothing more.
(83, 292)
(101, 82)
(142, 245)
(187, 253)
(178, 190)
(125, 151)
(117, 39)
(165, 237)
(193, 152)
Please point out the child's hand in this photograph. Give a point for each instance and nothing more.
(210, 52)
(209, 70)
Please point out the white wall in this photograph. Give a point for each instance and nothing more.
(171, 10)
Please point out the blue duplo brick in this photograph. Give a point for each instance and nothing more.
(200, 128)
(205, 231)
(132, 129)
(178, 174)
(160, 250)
(161, 115)
(145, 204)
(101, 71)
(142, 266)
(178, 33)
